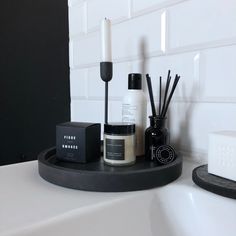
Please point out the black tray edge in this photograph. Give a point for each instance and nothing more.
(99, 182)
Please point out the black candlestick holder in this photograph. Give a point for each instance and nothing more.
(106, 72)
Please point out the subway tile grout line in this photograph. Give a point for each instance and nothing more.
(130, 7)
(130, 16)
(158, 7)
(221, 100)
(202, 46)
(175, 101)
(170, 52)
(93, 98)
(85, 18)
(133, 15)
(116, 21)
(75, 3)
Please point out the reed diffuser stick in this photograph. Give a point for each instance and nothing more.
(166, 92)
(171, 94)
(149, 83)
(160, 96)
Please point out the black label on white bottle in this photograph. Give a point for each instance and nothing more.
(115, 149)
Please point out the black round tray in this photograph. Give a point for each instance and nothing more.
(96, 176)
(213, 183)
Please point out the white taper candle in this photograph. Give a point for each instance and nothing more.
(106, 40)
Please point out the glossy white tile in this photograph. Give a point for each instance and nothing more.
(140, 6)
(112, 9)
(77, 19)
(78, 83)
(219, 74)
(198, 22)
(132, 37)
(86, 50)
(87, 111)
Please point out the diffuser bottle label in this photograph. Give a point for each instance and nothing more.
(115, 149)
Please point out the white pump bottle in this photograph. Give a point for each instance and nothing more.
(134, 109)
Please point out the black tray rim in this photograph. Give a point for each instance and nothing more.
(49, 151)
(108, 181)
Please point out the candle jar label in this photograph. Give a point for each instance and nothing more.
(115, 149)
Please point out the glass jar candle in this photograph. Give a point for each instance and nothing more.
(119, 144)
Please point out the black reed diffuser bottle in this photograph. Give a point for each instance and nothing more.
(156, 135)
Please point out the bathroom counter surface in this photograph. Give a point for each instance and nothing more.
(31, 206)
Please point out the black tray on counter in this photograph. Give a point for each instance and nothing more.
(97, 176)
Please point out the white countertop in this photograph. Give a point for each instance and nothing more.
(31, 206)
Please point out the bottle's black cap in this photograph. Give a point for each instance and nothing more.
(119, 128)
(135, 81)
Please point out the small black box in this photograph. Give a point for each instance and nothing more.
(78, 142)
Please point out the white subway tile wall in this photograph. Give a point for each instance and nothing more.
(77, 19)
(194, 38)
(131, 36)
(78, 87)
(219, 81)
(197, 22)
(85, 50)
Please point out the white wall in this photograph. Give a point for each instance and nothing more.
(194, 38)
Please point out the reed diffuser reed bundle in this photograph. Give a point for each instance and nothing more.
(163, 106)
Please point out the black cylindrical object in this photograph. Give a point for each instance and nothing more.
(106, 71)
(119, 128)
(134, 81)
